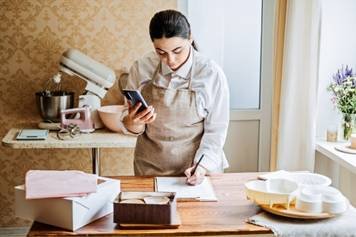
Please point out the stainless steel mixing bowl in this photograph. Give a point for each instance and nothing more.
(50, 104)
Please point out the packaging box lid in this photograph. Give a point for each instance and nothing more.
(70, 213)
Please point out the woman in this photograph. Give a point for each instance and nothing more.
(189, 104)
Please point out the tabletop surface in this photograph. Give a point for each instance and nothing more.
(101, 138)
(329, 150)
(225, 217)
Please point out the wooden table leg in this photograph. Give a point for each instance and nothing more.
(95, 156)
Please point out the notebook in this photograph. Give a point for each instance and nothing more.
(32, 134)
(202, 192)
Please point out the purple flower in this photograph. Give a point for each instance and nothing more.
(342, 74)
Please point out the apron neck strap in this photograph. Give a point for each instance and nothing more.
(191, 69)
(156, 72)
(159, 66)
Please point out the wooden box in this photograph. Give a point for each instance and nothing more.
(143, 208)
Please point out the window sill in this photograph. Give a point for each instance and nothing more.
(344, 159)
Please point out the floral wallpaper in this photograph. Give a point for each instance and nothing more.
(33, 35)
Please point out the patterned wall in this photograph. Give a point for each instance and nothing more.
(33, 34)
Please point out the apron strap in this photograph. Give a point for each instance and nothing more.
(159, 66)
(190, 80)
(154, 76)
(191, 70)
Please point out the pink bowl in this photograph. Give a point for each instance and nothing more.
(110, 115)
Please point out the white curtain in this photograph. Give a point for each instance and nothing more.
(297, 119)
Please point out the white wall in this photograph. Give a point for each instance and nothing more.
(337, 48)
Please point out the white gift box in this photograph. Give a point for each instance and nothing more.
(69, 213)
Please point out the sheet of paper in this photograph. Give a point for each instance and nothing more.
(201, 192)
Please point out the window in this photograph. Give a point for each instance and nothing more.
(238, 35)
(229, 31)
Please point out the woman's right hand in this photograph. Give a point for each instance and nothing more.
(135, 121)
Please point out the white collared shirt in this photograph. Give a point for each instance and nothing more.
(212, 98)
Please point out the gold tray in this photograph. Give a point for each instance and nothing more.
(294, 213)
(345, 148)
(174, 225)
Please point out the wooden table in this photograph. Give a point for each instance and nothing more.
(225, 217)
(101, 138)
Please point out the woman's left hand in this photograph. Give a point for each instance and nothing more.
(196, 178)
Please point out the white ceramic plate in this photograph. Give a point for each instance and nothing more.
(346, 149)
(272, 191)
(309, 179)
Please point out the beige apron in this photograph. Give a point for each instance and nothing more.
(169, 144)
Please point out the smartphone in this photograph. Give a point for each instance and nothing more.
(134, 96)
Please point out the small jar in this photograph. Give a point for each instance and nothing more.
(331, 133)
(353, 141)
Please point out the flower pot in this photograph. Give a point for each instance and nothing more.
(349, 123)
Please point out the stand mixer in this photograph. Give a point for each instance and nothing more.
(99, 79)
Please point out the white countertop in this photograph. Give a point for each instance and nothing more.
(99, 139)
(328, 149)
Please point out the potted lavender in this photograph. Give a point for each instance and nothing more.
(343, 88)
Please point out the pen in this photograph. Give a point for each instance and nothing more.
(196, 166)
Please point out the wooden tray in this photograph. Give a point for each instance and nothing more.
(345, 148)
(176, 222)
(294, 213)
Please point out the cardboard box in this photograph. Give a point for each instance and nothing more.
(143, 213)
(69, 213)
